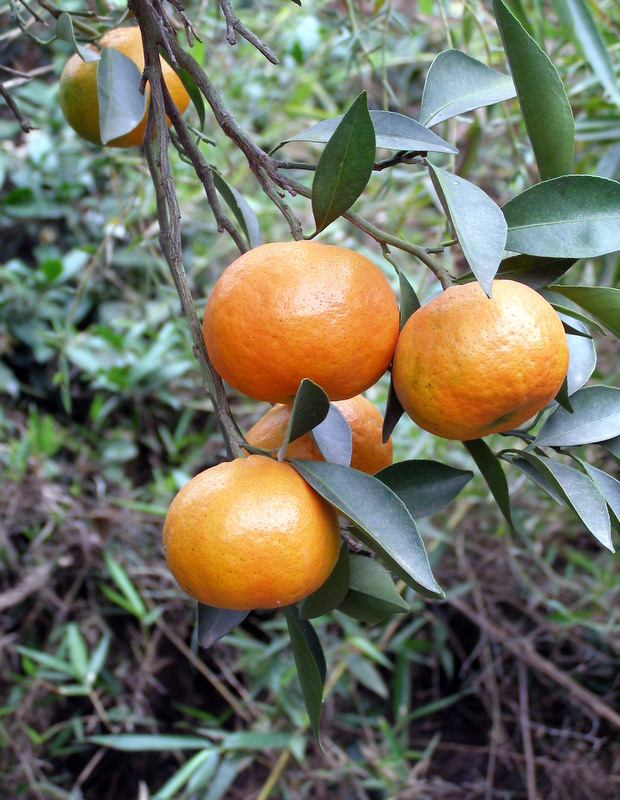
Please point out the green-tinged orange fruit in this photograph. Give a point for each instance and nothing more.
(78, 88)
(250, 533)
(291, 310)
(369, 452)
(467, 366)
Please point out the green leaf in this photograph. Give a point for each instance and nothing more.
(582, 358)
(595, 418)
(600, 301)
(393, 131)
(570, 486)
(586, 36)
(333, 437)
(332, 592)
(608, 485)
(408, 299)
(382, 520)
(393, 412)
(456, 83)
(215, 623)
(134, 602)
(147, 742)
(121, 106)
(477, 221)
(64, 30)
(613, 445)
(240, 208)
(576, 216)
(535, 271)
(310, 407)
(546, 111)
(491, 470)
(310, 663)
(345, 165)
(425, 487)
(189, 84)
(372, 595)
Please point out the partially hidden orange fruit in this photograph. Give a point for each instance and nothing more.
(250, 533)
(467, 366)
(291, 310)
(369, 452)
(78, 88)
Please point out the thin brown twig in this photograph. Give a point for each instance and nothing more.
(24, 122)
(234, 26)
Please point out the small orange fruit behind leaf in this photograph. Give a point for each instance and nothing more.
(78, 88)
(292, 310)
(369, 453)
(250, 533)
(467, 366)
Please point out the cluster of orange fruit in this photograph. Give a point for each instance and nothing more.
(251, 533)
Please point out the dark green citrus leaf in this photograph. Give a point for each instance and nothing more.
(586, 36)
(310, 663)
(576, 216)
(609, 486)
(477, 221)
(393, 412)
(240, 208)
(332, 592)
(372, 595)
(121, 106)
(491, 470)
(613, 445)
(595, 418)
(546, 111)
(600, 301)
(214, 623)
(408, 299)
(393, 131)
(64, 30)
(570, 486)
(566, 308)
(382, 520)
(582, 358)
(310, 407)
(535, 271)
(333, 437)
(345, 165)
(456, 83)
(425, 487)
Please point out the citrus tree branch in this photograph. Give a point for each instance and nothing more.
(24, 122)
(234, 26)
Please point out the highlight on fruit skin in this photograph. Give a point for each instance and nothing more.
(78, 94)
(250, 533)
(369, 452)
(467, 366)
(285, 311)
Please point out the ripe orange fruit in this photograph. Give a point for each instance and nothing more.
(292, 310)
(250, 533)
(466, 366)
(78, 88)
(369, 453)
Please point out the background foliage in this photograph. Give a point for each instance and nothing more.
(505, 688)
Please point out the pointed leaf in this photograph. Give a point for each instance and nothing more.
(586, 36)
(595, 418)
(546, 111)
(425, 487)
(456, 83)
(333, 437)
(240, 208)
(491, 470)
(393, 131)
(372, 595)
(310, 407)
(408, 299)
(215, 623)
(382, 520)
(310, 663)
(534, 271)
(121, 106)
(477, 221)
(332, 592)
(613, 445)
(576, 216)
(393, 412)
(582, 359)
(609, 486)
(600, 301)
(577, 491)
(345, 165)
